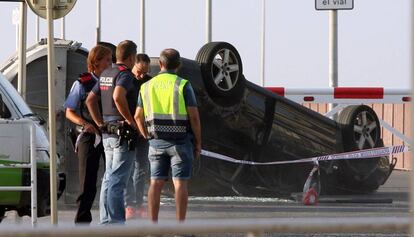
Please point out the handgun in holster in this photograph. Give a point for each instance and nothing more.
(128, 134)
(124, 131)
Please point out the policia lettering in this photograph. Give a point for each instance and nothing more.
(107, 86)
(164, 121)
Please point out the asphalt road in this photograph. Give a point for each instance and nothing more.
(391, 200)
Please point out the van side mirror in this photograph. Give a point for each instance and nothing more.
(4, 111)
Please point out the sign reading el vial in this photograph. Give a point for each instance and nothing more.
(334, 4)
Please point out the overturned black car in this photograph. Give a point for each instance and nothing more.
(247, 122)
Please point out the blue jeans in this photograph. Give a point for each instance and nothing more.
(178, 157)
(118, 167)
(134, 193)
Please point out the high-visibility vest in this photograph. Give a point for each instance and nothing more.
(164, 107)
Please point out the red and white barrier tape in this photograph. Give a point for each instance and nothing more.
(344, 95)
(361, 154)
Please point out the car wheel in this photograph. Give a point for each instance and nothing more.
(222, 70)
(361, 127)
(360, 130)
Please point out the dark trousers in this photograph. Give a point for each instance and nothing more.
(89, 157)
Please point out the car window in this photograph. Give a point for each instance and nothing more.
(4, 110)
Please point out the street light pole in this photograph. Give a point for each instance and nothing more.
(21, 76)
(142, 27)
(333, 51)
(52, 109)
(208, 21)
(98, 21)
(263, 40)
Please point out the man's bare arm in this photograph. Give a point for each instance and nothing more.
(196, 128)
(93, 108)
(139, 119)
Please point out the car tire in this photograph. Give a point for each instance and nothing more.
(222, 70)
(360, 130)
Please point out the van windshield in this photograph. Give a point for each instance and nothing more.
(15, 97)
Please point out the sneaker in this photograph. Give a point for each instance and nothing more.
(130, 213)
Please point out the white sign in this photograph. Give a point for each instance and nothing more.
(334, 4)
(60, 7)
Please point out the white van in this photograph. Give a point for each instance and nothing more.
(15, 148)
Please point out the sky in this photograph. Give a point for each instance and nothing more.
(373, 38)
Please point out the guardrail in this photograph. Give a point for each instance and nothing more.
(253, 227)
(31, 165)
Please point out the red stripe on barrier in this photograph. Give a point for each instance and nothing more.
(406, 99)
(278, 90)
(358, 93)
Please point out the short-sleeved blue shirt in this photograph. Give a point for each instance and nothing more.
(190, 101)
(76, 95)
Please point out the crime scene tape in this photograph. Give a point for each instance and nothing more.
(361, 154)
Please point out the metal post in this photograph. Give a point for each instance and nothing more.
(63, 29)
(333, 51)
(33, 177)
(33, 166)
(142, 26)
(98, 21)
(21, 76)
(208, 21)
(15, 21)
(262, 70)
(37, 29)
(51, 104)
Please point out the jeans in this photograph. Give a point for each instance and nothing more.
(177, 157)
(118, 167)
(134, 193)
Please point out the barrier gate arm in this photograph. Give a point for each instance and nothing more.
(32, 166)
(344, 96)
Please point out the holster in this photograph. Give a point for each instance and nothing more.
(125, 132)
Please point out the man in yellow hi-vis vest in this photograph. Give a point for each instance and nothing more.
(167, 115)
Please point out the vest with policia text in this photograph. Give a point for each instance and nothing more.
(107, 87)
(164, 107)
(87, 81)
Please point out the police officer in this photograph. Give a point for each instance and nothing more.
(99, 59)
(167, 104)
(118, 91)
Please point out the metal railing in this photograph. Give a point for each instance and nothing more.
(32, 166)
(252, 227)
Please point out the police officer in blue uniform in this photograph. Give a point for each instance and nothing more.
(99, 59)
(118, 92)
